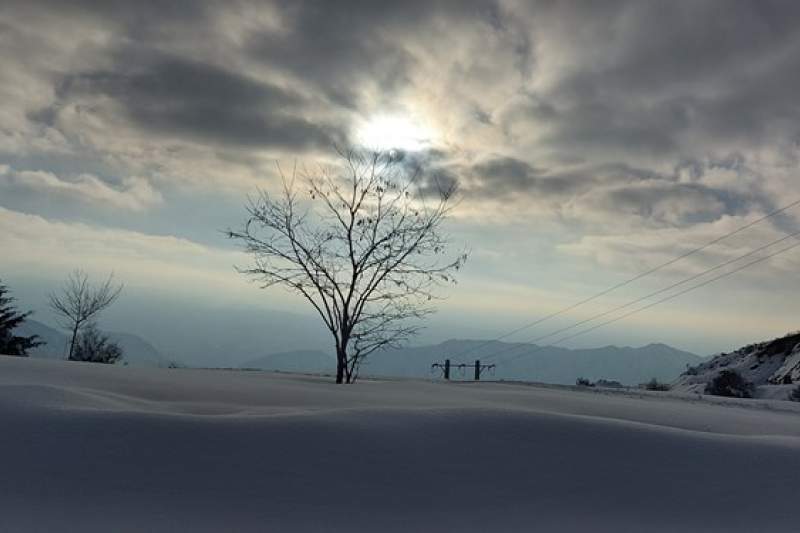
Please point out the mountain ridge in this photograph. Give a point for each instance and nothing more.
(551, 364)
(514, 361)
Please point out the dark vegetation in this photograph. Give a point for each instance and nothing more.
(731, 384)
(92, 346)
(781, 346)
(655, 385)
(11, 319)
(77, 303)
(609, 384)
(795, 394)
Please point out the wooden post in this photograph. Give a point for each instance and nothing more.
(447, 369)
(477, 370)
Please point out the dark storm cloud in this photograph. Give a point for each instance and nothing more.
(131, 19)
(501, 176)
(508, 177)
(174, 96)
(673, 204)
(650, 129)
(614, 190)
(673, 46)
(654, 72)
(336, 47)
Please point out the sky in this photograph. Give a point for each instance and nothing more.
(591, 141)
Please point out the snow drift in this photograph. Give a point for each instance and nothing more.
(97, 448)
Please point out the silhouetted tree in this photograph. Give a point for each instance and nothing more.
(730, 383)
(79, 302)
(10, 320)
(366, 251)
(94, 347)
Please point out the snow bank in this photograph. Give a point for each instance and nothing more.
(98, 448)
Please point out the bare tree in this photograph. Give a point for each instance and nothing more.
(79, 302)
(366, 250)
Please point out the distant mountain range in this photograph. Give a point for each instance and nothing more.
(136, 351)
(546, 364)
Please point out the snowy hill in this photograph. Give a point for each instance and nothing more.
(137, 351)
(109, 448)
(772, 366)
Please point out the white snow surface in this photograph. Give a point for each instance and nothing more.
(88, 447)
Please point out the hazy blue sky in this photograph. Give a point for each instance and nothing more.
(591, 141)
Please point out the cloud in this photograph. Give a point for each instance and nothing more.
(653, 77)
(646, 248)
(40, 247)
(135, 194)
(174, 96)
(595, 126)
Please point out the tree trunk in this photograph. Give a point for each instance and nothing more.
(341, 365)
(72, 342)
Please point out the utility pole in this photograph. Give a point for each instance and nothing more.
(446, 366)
(479, 368)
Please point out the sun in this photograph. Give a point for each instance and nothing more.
(395, 132)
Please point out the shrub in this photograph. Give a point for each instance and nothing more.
(731, 384)
(94, 347)
(654, 384)
(583, 382)
(795, 394)
(690, 371)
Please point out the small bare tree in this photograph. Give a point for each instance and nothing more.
(79, 302)
(366, 251)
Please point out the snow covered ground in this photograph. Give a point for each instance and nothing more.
(98, 448)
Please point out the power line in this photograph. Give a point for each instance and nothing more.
(647, 296)
(657, 302)
(628, 281)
